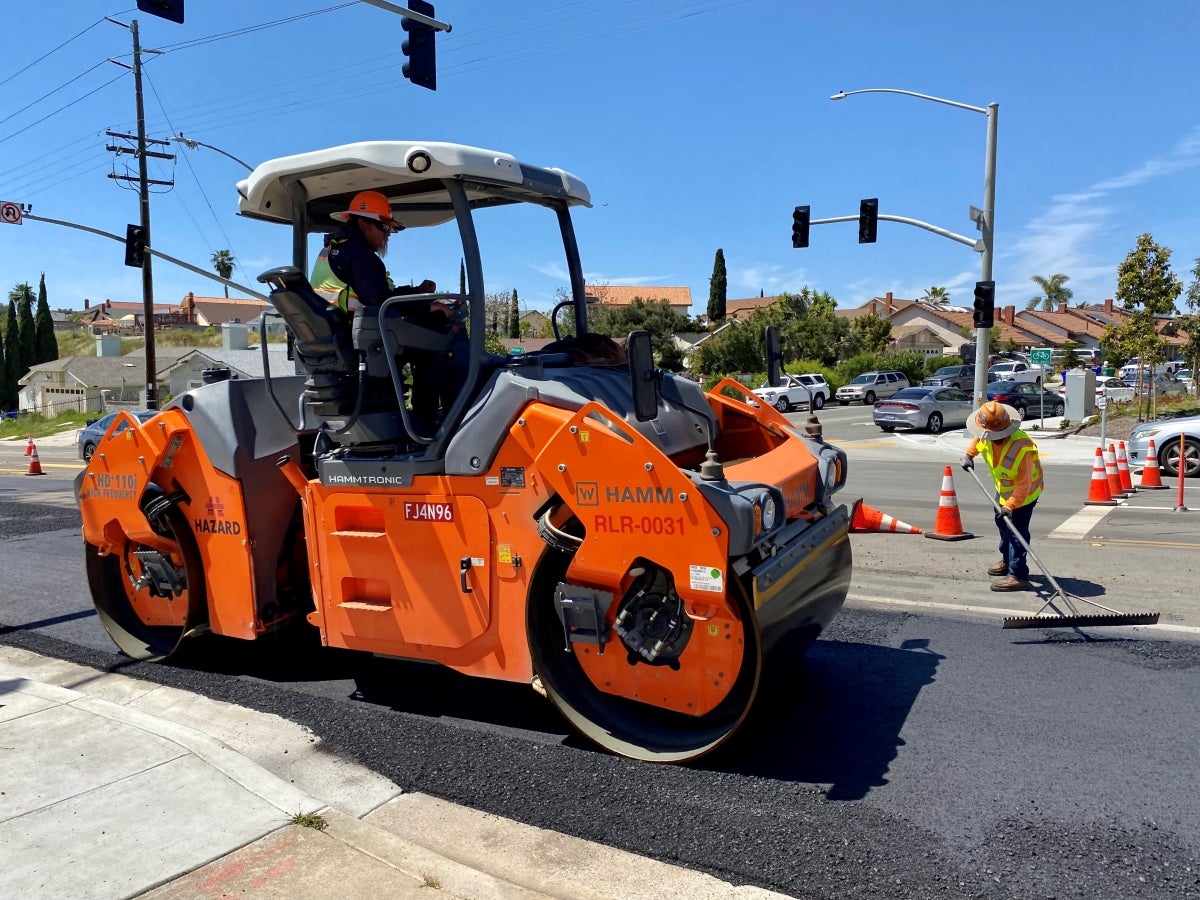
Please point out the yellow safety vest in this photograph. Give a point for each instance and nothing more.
(1004, 469)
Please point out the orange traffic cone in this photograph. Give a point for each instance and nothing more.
(1098, 492)
(35, 466)
(949, 523)
(1110, 473)
(29, 446)
(1127, 487)
(867, 518)
(1151, 477)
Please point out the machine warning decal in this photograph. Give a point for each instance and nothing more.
(492, 481)
(429, 512)
(706, 578)
(512, 476)
(216, 523)
(504, 553)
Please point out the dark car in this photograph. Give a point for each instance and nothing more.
(961, 377)
(1030, 400)
(90, 435)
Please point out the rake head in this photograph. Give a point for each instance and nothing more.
(1078, 621)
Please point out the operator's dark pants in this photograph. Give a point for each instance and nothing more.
(438, 378)
(1010, 548)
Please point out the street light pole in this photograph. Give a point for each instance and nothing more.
(985, 222)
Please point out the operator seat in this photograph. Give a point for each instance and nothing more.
(323, 346)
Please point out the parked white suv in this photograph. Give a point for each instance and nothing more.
(811, 390)
(871, 386)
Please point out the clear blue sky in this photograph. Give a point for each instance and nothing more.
(697, 124)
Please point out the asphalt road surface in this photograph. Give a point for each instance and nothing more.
(915, 754)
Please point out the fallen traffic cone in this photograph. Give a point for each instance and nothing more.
(867, 518)
(29, 446)
(1151, 477)
(1110, 473)
(1098, 492)
(1123, 470)
(35, 466)
(949, 523)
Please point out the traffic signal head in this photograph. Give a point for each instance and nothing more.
(164, 9)
(135, 246)
(419, 47)
(800, 219)
(985, 304)
(868, 220)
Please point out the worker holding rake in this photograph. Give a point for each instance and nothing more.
(1016, 469)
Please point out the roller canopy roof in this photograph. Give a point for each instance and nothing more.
(408, 173)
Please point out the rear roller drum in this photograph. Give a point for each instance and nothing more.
(643, 650)
(150, 598)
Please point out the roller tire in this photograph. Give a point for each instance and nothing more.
(622, 726)
(114, 596)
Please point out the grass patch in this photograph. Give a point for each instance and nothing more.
(310, 820)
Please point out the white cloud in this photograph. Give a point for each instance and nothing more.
(770, 279)
(1065, 238)
(558, 272)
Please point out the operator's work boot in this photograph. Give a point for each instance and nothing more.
(1011, 583)
(1000, 568)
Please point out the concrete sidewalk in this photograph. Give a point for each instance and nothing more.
(116, 787)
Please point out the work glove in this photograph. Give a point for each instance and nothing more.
(967, 462)
(1006, 512)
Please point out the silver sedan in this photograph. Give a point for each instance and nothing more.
(931, 408)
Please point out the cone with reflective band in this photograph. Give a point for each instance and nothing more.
(1151, 476)
(29, 446)
(1110, 472)
(35, 466)
(1123, 470)
(868, 519)
(1098, 492)
(949, 523)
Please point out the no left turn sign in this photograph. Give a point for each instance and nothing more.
(10, 213)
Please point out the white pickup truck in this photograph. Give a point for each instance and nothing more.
(1016, 371)
(811, 390)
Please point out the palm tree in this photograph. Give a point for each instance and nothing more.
(1053, 292)
(222, 263)
(936, 296)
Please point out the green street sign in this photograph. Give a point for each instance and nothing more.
(1040, 356)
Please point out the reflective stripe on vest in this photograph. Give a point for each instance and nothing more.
(1005, 469)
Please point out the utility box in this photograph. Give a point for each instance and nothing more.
(1081, 394)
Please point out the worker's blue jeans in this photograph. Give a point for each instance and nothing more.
(1010, 548)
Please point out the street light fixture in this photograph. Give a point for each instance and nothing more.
(984, 220)
(192, 144)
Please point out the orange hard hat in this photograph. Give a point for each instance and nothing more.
(369, 205)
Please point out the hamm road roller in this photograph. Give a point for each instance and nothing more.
(639, 550)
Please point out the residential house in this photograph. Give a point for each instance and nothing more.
(678, 298)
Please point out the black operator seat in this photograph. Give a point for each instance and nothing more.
(323, 342)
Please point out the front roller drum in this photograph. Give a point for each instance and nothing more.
(149, 599)
(622, 725)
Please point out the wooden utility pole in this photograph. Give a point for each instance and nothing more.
(144, 183)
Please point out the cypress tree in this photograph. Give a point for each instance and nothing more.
(462, 276)
(46, 344)
(28, 337)
(12, 356)
(514, 317)
(717, 287)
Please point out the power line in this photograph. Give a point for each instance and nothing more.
(50, 53)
